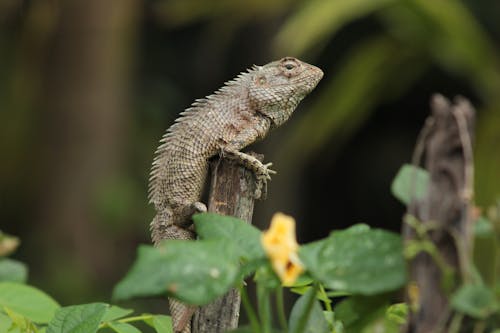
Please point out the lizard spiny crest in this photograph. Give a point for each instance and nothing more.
(238, 114)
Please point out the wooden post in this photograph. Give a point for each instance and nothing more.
(231, 193)
(445, 145)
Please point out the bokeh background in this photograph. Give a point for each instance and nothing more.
(87, 87)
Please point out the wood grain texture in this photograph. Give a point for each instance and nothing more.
(445, 148)
(231, 193)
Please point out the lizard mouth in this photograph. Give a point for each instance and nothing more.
(316, 74)
(311, 77)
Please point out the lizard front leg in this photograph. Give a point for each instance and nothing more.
(261, 171)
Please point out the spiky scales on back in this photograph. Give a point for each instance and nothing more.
(238, 114)
(189, 142)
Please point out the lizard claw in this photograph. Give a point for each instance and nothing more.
(260, 189)
(261, 171)
(264, 173)
(270, 171)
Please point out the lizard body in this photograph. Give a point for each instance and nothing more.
(240, 113)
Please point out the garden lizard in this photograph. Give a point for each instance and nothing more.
(238, 114)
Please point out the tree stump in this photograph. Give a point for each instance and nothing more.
(445, 148)
(231, 193)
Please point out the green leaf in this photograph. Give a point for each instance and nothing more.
(20, 324)
(335, 325)
(18, 321)
(124, 328)
(115, 312)
(303, 280)
(247, 268)
(483, 227)
(28, 301)
(83, 318)
(307, 315)
(475, 300)
(337, 293)
(411, 182)
(397, 313)
(459, 44)
(486, 251)
(148, 319)
(13, 270)
(163, 324)
(244, 237)
(300, 290)
(5, 322)
(195, 272)
(318, 20)
(329, 317)
(304, 289)
(358, 311)
(266, 277)
(357, 260)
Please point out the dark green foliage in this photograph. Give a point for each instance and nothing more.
(244, 237)
(195, 272)
(358, 260)
(307, 315)
(475, 300)
(13, 270)
(27, 301)
(410, 183)
(83, 318)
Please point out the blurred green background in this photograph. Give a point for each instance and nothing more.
(88, 87)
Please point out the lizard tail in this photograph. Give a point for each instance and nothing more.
(181, 315)
(163, 228)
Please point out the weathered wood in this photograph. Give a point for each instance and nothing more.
(231, 193)
(445, 147)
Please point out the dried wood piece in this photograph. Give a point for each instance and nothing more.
(231, 193)
(445, 148)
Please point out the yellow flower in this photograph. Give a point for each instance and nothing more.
(281, 247)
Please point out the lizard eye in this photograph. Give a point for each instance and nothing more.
(289, 66)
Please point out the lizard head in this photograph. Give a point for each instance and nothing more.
(276, 89)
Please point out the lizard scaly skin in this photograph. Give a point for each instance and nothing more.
(240, 113)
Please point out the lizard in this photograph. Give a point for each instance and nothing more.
(243, 111)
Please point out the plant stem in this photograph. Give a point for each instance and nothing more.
(129, 319)
(264, 307)
(136, 318)
(479, 326)
(281, 308)
(252, 317)
(328, 305)
(456, 321)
